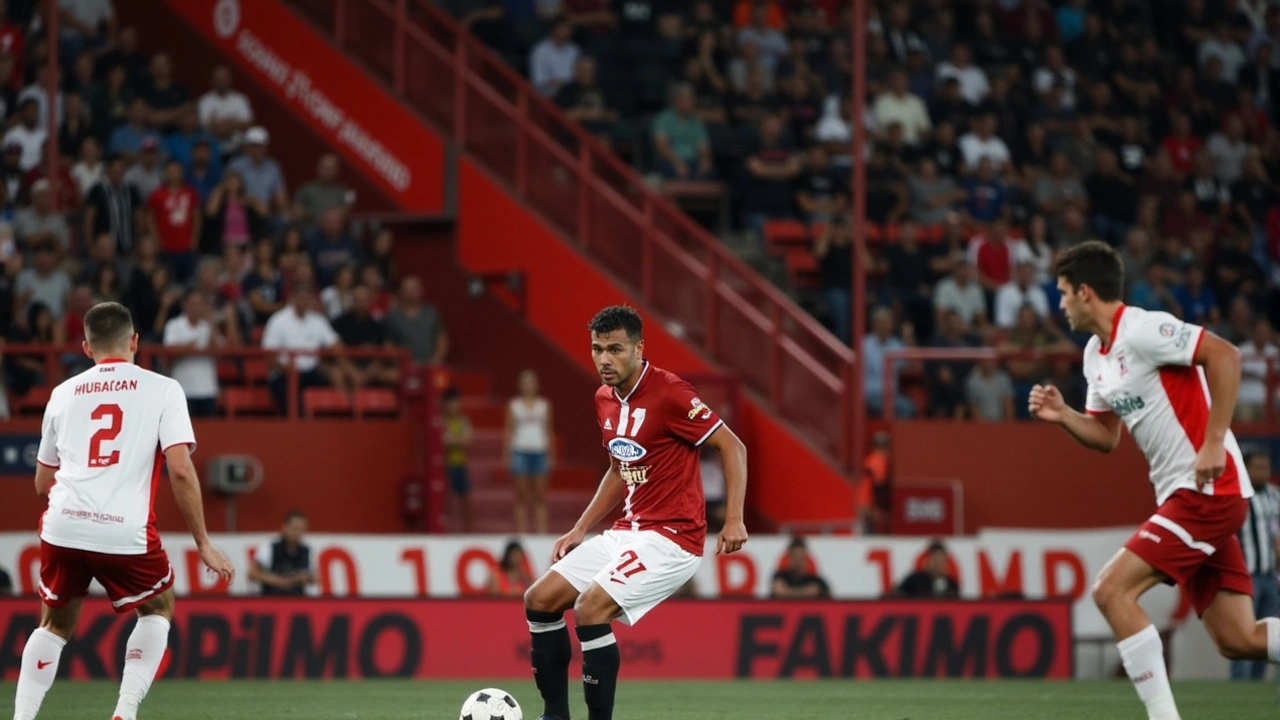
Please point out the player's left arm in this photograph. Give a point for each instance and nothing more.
(733, 456)
(44, 479)
(47, 460)
(1221, 362)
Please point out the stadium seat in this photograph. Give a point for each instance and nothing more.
(33, 402)
(255, 371)
(779, 235)
(228, 371)
(238, 401)
(325, 401)
(376, 401)
(802, 268)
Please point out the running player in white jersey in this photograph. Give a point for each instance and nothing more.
(1173, 384)
(106, 434)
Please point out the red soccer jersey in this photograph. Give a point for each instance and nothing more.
(654, 433)
(174, 211)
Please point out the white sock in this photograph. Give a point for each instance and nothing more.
(39, 667)
(143, 654)
(1143, 656)
(1273, 638)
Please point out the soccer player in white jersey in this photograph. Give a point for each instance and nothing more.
(106, 434)
(1173, 384)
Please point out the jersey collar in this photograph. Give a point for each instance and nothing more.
(1115, 328)
(635, 387)
(105, 361)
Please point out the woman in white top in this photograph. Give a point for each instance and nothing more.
(1256, 354)
(527, 449)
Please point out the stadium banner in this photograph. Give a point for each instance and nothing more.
(1029, 563)
(334, 97)
(215, 638)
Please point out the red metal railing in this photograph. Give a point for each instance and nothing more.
(703, 291)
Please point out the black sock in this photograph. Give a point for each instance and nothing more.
(600, 661)
(549, 652)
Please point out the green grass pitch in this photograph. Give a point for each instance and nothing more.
(732, 700)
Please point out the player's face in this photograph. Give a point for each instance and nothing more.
(616, 357)
(1073, 304)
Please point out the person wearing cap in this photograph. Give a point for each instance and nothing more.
(127, 139)
(225, 112)
(39, 223)
(262, 176)
(147, 173)
(27, 134)
(934, 580)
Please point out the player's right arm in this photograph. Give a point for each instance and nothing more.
(608, 495)
(1099, 430)
(177, 438)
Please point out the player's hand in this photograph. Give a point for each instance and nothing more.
(732, 537)
(1211, 461)
(567, 542)
(218, 563)
(1046, 403)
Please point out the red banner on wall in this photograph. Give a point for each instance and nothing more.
(357, 117)
(288, 638)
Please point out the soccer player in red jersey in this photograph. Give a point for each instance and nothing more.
(652, 424)
(106, 434)
(1174, 385)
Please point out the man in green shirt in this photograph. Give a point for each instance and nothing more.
(680, 139)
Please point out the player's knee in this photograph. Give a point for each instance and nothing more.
(1106, 593)
(537, 598)
(1235, 647)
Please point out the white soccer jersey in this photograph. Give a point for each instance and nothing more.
(105, 431)
(1146, 376)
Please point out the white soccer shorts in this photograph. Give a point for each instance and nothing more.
(637, 569)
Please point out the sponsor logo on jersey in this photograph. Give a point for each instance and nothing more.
(1184, 337)
(1148, 535)
(700, 410)
(634, 474)
(1127, 404)
(1167, 329)
(626, 449)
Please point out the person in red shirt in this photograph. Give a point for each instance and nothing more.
(175, 215)
(1181, 145)
(993, 256)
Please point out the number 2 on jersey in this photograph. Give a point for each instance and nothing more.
(106, 434)
(637, 419)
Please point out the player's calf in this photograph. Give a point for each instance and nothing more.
(595, 612)
(1230, 623)
(40, 657)
(550, 647)
(144, 652)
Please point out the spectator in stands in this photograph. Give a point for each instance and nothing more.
(127, 139)
(299, 327)
(89, 170)
(1228, 150)
(834, 249)
(175, 215)
(1059, 190)
(336, 299)
(1021, 291)
(874, 346)
(202, 174)
(85, 25)
(989, 391)
(147, 174)
(225, 112)
(262, 288)
(332, 246)
(38, 223)
(887, 200)
(284, 567)
(164, 97)
(457, 441)
(111, 104)
(821, 194)
(933, 196)
(982, 143)
(263, 179)
(512, 576)
(986, 196)
(416, 325)
(946, 393)
(101, 254)
(680, 139)
(1181, 144)
(323, 193)
(220, 297)
(196, 372)
(961, 293)
(81, 300)
(798, 578)
(39, 91)
(44, 282)
(772, 167)
(1198, 302)
(76, 128)
(37, 327)
(180, 144)
(552, 60)
(528, 450)
(83, 74)
(27, 134)
(1111, 199)
(972, 79)
(115, 207)
(934, 580)
(898, 105)
(585, 101)
(1256, 354)
(994, 255)
(359, 329)
(231, 217)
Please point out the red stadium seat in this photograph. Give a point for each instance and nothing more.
(255, 336)
(255, 371)
(779, 235)
(325, 401)
(247, 401)
(228, 371)
(33, 402)
(376, 401)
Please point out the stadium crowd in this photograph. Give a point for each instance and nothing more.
(167, 198)
(1000, 132)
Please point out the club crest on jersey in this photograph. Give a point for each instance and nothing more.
(1167, 330)
(1124, 366)
(626, 449)
(700, 410)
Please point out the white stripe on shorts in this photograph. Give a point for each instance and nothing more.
(1183, 535)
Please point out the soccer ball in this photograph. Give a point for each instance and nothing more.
(491, 704)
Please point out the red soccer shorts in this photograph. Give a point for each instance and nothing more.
(130, 580)
(1192, 539)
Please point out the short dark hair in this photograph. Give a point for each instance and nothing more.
(936, 545)
(108, 325)
(295, 513)
(797, 542)
(617, 317)
(1095, 264)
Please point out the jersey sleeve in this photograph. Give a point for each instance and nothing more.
(47, 454)
(1165, 340)
(1094, 404)
(687, 417)
(175, 421)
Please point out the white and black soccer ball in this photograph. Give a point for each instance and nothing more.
(491, 704)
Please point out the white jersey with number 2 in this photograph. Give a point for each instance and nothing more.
(1145, 374)
(105, 432)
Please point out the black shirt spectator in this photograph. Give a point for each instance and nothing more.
(772, 167)
(886, 190)
(284, 567)
(798, 577)
(933, 581)
(163, 95)
(113, 207)
(1112, 197)
(943, 150)
(263, 287)
(584, 100)
(821, 191)
(126, 56)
